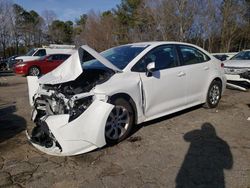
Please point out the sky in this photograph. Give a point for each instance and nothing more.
(67, 9)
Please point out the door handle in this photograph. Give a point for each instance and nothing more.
(206, 68)
(180, 74)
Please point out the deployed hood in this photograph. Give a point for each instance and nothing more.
(237, 63)
(71, 68)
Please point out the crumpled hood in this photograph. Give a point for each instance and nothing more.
(237, 63)
(71, 68)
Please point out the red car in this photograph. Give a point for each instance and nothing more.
(41, 66)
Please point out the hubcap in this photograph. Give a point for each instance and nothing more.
(214, 94)
(34, 71)
(117, 123)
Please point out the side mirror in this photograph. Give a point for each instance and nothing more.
(150, 69)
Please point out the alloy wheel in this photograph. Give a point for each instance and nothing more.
(117, 123)
(34, 71)
(214, 94)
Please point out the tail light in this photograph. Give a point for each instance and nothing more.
(222, 65)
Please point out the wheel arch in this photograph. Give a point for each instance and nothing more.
(129, 99)
(204, 98)
(217, 79)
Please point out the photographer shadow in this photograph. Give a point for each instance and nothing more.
(205, 161)
(10, 123)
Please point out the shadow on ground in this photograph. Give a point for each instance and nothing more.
(164, 118)
(205, 161)
(10, 123)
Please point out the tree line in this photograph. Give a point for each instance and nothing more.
(216, 25)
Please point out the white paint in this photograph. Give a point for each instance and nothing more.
(33, 86)
(82, 134)
(166, 91)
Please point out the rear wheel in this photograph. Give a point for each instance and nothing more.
(119, 122)
(34, 71)
(214, 94)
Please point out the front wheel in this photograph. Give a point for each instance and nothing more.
(34, 71)
(119, 122)
(214, 94)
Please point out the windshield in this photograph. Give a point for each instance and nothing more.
(31, 52)
(244, 55)
(119, 56)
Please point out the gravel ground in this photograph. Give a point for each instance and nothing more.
(194, 148)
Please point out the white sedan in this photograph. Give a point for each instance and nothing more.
(237, 70)
(95, 99)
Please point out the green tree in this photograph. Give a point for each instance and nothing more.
(126, 18)
(61, 32)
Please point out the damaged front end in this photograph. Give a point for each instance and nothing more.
(57, 135)
(238, 78)
(70, 118)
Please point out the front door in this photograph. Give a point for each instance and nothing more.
(164, 91)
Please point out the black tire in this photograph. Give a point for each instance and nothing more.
(124, 104)
(34, 71)
(213, 94)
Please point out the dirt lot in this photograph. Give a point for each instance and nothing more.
(195, 148)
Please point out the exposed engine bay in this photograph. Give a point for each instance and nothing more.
(71, 98)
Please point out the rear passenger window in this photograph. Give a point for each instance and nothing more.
(55, 57)
(64, 56)
(40, 53)
(164, 57)
(191, 55)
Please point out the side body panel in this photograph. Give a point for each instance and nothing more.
(33, 86)
(164, 91)
(197, 77)
(127, 83)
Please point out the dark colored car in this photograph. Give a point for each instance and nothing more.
(222, 57)
(41, 66)
(3, 64)
(11, 61)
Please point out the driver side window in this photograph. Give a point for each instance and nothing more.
(164, 57)
(40, 53)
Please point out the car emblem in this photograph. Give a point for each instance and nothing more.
(231, 70)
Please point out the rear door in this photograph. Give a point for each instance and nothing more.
(164, 91)
(197, 69)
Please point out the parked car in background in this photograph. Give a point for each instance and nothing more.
(36, 53)
(224, 56)
(41, 66)
(3, 64)
(11, 61)
(95, 99)
(237, 70)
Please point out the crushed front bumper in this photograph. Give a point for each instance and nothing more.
(84, 134)
(235, 80)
